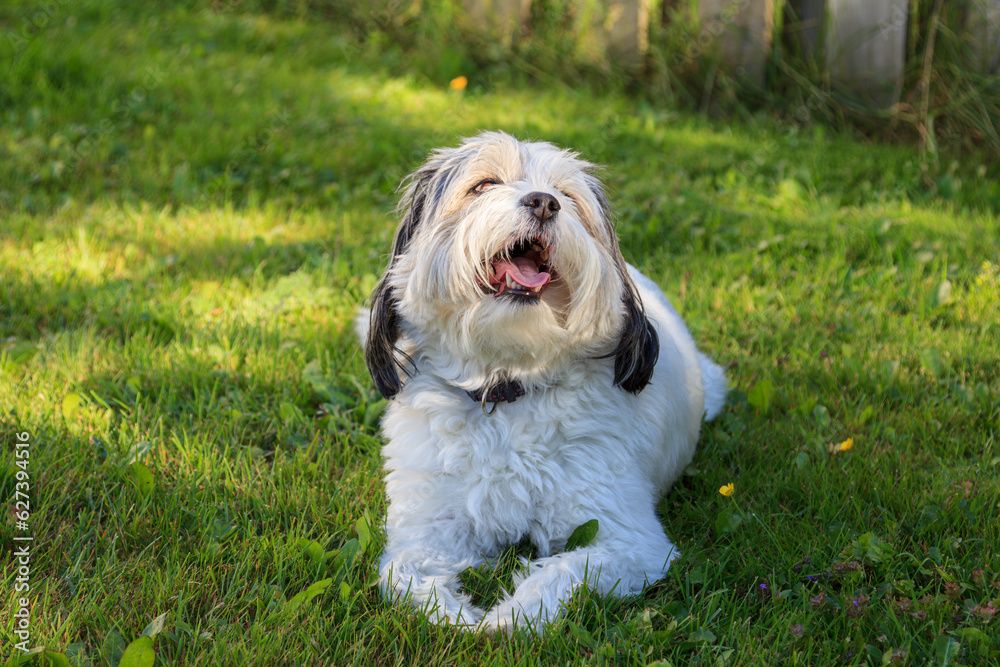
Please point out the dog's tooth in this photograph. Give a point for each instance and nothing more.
(544, 254)
(510, 281)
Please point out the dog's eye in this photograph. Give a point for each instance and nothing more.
(481, 186)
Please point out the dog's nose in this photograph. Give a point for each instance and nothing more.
(543, 205)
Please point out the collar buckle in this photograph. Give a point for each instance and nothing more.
(504, 391)
(488, 413)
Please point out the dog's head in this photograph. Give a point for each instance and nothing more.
(507, 260)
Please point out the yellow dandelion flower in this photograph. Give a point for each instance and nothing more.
(844, 446)
(458, 83)
(727, 489)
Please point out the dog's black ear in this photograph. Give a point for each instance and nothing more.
(639, 347)
(380, 348)
(384, 326)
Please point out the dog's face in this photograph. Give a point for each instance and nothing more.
(507, 259)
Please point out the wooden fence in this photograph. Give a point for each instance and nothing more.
(860, 44)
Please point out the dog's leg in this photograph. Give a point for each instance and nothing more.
(427, 545)
(428, 580)
(622, 560)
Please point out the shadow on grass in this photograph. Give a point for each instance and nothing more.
(153, 303)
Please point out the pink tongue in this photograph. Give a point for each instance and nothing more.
(522, 270)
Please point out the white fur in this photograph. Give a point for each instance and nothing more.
(463, 485)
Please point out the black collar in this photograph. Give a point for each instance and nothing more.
(503, 391)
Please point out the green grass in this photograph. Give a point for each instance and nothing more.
(192, 206)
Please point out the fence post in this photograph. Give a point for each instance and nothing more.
(502, 18)
(616, 31)
(866, 47)
(983, 26)
(741, 32)
(628, 32)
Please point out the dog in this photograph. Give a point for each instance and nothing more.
(536, 382)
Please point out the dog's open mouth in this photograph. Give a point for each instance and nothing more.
(521, 270)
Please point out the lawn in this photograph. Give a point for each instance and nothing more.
(193, 204)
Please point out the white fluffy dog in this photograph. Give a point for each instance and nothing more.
(537, 382)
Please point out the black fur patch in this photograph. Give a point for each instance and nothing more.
(639, 346)
(384, 326)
